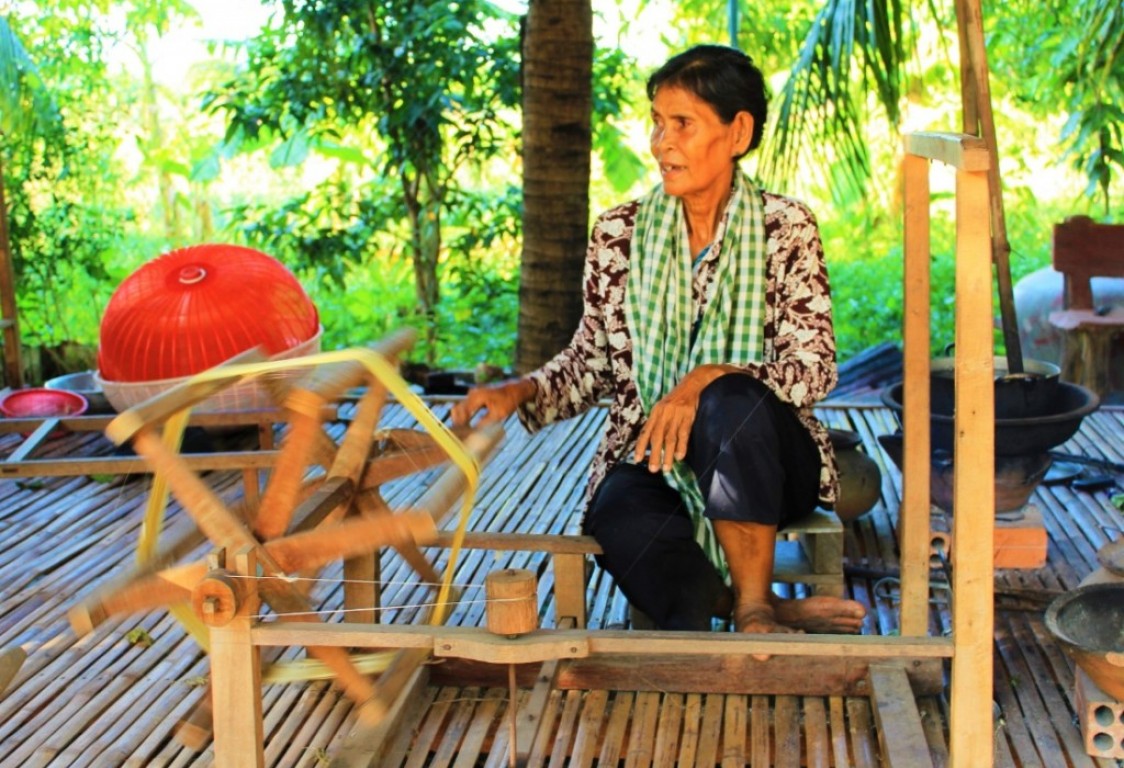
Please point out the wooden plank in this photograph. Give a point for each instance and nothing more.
(569, 587)
(760, 742)
(484, 719)
(560, 753)
(692, 720)
(970, 726)
(735, 729)
(897, 718)
(432, 727)
(612, 742)
(530, 714)
(960, 150)
(587, 740)
(642, 735)
(839, 741)
(710, 731)
(913, 514)
(611, 643)
(931, 721)
(401, 728)
(667, 730)
(817, 744)
(864, 744)
(367, 743)
(541, 749)
(786, 729)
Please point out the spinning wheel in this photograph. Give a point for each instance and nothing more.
(297, 525)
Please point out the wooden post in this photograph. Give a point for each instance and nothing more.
(913, 517)
(236, 681)
(971, 732)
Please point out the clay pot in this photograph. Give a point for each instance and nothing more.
(1086, 623)
(860, 480)
(1016, 477)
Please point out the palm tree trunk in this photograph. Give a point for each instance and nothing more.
(557, 104)
(9, 320)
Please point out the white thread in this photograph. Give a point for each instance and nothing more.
(278, 617)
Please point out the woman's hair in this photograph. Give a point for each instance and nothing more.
(723, 77)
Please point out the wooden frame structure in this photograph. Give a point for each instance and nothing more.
(891, 670)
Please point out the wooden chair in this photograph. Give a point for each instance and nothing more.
(1082, 250)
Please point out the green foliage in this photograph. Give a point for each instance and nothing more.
(1072, 52)
(431, 79)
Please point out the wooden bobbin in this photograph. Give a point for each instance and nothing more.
(217, 598)
(512, 607)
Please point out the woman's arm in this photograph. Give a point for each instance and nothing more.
(578, 376)
(802, 368)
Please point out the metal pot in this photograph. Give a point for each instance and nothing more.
(1017, 395)
(1016, 437)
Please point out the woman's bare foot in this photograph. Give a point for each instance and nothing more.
(820, 614)
(759, 620)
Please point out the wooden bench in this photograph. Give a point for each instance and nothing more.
(810, 551)
(1083, 249)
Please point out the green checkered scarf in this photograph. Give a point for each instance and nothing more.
(660, 309)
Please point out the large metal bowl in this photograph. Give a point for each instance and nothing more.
(86, 385)
(1017, 395)
(1016, 437)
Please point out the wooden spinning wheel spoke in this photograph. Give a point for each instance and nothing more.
(280, 496)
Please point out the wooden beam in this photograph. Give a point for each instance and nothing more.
(961, 151)
(236, 690)
(132, 465)
(916, 449)
(971, 732)
(900, 734)
(365, 743)
(731, 675)
(604, 641)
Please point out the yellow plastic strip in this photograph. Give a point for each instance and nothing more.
(153, 523)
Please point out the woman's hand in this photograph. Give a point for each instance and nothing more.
(498, 400)
(663, 439)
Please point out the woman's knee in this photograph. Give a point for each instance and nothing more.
(729, 404)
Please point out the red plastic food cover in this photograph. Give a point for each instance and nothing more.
(193, 308)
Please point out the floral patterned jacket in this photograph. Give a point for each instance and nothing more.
(799, 355)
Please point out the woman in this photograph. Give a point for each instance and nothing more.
(707, 322)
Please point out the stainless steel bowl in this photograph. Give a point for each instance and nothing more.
(84, 384)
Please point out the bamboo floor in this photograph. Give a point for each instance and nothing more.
(109, 699)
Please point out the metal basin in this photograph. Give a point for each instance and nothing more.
(1017, 437)
(1017, 395)
(86, 385)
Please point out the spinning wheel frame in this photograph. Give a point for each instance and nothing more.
(297, 525)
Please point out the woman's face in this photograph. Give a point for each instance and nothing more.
(695, 150)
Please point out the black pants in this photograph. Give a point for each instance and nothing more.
(755, 462)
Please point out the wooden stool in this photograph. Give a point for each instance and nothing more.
(1083, 249)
